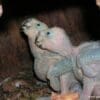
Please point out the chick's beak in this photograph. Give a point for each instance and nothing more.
(39, 41)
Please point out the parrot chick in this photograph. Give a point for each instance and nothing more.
(43, 59)
(84, 60)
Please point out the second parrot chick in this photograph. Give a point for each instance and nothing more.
(84, 59)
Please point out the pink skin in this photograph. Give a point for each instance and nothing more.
(96, 91)
(55, 42)
(58, 42)
(42, 57)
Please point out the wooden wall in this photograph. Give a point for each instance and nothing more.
(74, 17)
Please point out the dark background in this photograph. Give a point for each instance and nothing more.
(80, 19)
(91, 13)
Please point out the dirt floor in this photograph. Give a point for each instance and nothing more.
(23, 86)
(17, 80)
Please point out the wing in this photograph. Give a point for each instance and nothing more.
(89, 62)
(88, 46)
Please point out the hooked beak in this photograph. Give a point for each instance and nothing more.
(38, 41)
(26, 24)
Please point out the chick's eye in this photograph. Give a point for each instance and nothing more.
(48, 33)
(38, 24)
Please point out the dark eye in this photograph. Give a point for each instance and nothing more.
(48, 33)
(38, 24)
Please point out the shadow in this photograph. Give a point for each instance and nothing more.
(91, 15)
(24, 7)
